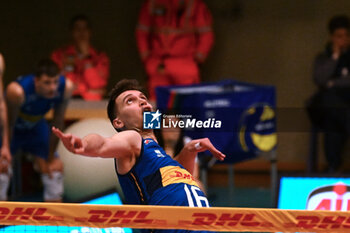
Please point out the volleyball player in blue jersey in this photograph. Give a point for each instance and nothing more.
(146, 173)
(30, 97)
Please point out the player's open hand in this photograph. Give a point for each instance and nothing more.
(203, 144)
(73, 143)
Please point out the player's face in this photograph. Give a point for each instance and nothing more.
(46, 86)
(131, 105)
(340, 38)
(81, 31)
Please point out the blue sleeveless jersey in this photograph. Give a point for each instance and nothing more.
(157, 179)
(35, 106)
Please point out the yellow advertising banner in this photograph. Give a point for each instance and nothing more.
(170, 217)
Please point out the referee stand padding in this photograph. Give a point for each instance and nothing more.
(170, 217)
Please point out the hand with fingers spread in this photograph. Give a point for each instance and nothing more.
(73, 143)
(203, 144)
(188, 154)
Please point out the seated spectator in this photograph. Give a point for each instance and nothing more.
(86, 67)
(329, 108)
(31, 97)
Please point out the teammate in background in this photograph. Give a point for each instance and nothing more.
(146, 173)
(5, 154)
(86, 67)
(30, 98)
(173, 37)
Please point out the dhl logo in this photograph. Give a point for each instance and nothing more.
(327, 222)
(247, 220)
(208, 219)
(186, 176)
(123, 217)
(175, 174)
(19, 213)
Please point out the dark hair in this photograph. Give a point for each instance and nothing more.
(80, 17)
(337, 22)
(120, 87)
(46, 67)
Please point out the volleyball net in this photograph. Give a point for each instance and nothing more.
(110, 218)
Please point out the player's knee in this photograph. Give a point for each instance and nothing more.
(53, 187)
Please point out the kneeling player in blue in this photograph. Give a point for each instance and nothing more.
(146, 173)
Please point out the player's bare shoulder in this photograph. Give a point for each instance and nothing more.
(15, 93)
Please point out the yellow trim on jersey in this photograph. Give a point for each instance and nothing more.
(30, 118)
(138, 187)
(175, 174)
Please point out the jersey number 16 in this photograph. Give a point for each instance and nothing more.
(200, 200)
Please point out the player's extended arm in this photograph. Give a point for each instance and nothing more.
(188, 154)
(121, 145)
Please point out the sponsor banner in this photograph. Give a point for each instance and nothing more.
(239, 118)
(165, 217)
(314, 193)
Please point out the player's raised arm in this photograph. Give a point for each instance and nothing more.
(187, 155)
(124, 144)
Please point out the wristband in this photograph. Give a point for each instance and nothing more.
(197, 146)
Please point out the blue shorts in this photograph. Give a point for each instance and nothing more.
(34, 141)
